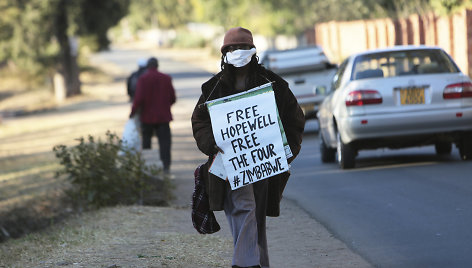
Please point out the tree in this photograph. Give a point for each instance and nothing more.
(448, 7)
(404, 8)
(81, 18)
(92, 19)
(25, 35)
(39, 36)
(273, 17)
(162, 14)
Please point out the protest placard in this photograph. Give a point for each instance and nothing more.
(247, 128)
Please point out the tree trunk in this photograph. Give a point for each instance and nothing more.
(66, 81)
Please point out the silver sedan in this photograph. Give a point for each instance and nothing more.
(394, 98)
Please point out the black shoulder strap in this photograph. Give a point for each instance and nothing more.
(211, 92)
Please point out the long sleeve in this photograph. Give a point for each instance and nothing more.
(173, 98)
(138, 97)
(202, 130)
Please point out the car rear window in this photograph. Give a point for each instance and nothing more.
(406, 62)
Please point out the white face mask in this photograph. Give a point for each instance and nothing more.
(240, 57)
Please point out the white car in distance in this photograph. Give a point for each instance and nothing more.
(308, 72)
(397, 97)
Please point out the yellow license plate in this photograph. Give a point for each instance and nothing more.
(412, 96)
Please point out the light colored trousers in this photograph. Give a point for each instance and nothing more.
(245, 209)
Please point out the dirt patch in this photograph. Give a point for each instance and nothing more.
(31, 198)
(34, 215)
(136, 236)
(44, 211)
(142, 236)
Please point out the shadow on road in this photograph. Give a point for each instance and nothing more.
(402, 160)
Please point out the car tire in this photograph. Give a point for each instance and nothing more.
(346, 155)
(443, 147)
(328, 155)
(465, 147)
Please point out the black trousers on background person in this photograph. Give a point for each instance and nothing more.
(162, 131)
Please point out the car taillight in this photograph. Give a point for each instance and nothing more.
(363, 97)
(458, 90)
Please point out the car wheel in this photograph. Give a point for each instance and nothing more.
(465, 148)
(328, 155)
(443, 147)
(345, 154)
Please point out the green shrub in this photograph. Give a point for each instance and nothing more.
(107, 173)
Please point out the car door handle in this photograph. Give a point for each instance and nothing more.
(299, 81)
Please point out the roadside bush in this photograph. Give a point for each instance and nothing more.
(107, 173)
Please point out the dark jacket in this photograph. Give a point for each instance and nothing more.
(132, 81)
(155, 95)
(292, 119)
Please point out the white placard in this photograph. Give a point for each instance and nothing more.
(248, 131)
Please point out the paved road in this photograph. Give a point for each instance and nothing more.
(401, 208)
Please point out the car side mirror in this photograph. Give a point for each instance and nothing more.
(321, 90)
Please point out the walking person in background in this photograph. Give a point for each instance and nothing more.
(246, 208)
(154, 97)
(132, 80)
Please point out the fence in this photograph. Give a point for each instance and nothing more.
(452, 33)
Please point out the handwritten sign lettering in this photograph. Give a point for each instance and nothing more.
(248, 130)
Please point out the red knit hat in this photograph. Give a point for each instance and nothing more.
(237, 36)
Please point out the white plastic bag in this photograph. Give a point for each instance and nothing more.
(131, 134)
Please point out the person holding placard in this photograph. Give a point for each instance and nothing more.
(246, 207)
